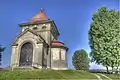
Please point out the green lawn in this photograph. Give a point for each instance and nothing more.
(45, 74)
(40, 74)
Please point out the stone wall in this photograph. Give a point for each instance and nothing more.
(46, 30)
(37, 49)
(57, 61)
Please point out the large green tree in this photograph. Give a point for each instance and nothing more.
(1, 50)
(80, 60)
(104, 37)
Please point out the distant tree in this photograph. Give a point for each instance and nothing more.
(1, 50)
(104, 37)
(80, 60)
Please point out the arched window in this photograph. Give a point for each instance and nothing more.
(35, 28)
(44, 27)
(26, 54)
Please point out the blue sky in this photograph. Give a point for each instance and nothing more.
(72, 17)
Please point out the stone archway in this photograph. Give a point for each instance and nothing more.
(26, 54)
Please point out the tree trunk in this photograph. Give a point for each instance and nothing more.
(117, 70)
(107, 69)
(112, 69)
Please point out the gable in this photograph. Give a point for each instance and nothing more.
(28, 35)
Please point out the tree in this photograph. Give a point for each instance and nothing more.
(1, 50)
(104, 37)
(80, 60)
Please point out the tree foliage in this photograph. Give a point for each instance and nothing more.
(80, 60)
(1, 50)
(104, 37)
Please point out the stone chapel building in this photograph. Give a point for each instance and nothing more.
(37, 45)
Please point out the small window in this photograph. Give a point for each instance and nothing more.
(35, 25)
(44, 27)
(34, 28)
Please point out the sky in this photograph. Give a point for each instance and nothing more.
(72, 17)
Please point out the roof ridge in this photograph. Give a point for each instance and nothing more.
(27, 29)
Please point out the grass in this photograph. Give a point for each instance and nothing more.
(44, 74)
(40, 74)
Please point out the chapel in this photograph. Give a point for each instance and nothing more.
(37, 45)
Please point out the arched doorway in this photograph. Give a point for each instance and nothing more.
(26, 54)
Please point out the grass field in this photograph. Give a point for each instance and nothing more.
(39, 74)
(44, 74)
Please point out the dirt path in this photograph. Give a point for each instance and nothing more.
(105, 76)
(99, 78)
(101, 75)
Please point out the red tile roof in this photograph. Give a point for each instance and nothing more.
(41, 16)
(57, 43)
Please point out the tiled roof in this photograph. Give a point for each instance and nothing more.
(41, 16)
(57, 43)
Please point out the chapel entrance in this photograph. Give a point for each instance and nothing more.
(26, 54)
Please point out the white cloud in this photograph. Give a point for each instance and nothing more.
(95, 66)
